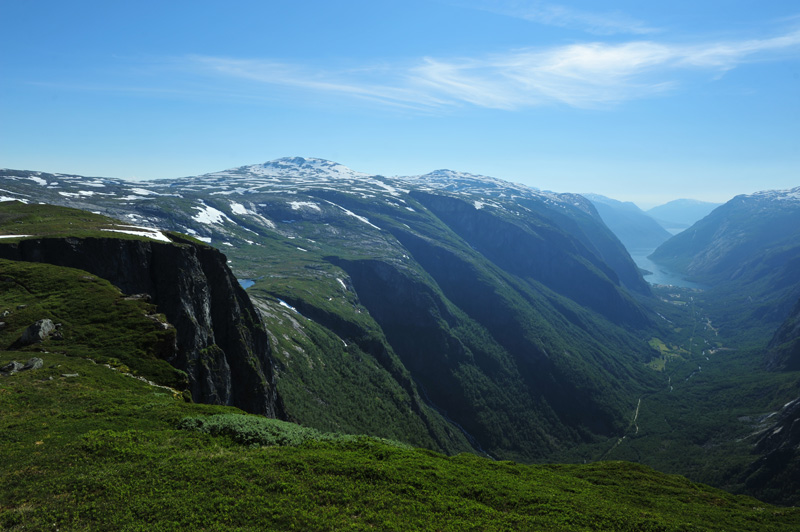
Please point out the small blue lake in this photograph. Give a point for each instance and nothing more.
(246, 283)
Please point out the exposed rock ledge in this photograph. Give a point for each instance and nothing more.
(221, 341)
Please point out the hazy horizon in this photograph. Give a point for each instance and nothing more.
(636, 102)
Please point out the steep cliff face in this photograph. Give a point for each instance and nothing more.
(480, 349)
(784, 349)
(221, 343)
(537, 249)
(775, 476)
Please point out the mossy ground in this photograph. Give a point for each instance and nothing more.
(103, 451)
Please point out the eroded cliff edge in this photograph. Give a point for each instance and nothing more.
(221, 341)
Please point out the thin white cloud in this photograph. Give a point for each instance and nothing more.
(579, 75)
(598, 23)
(727, 55)
(350, 83)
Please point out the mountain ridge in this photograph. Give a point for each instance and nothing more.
(319, 238)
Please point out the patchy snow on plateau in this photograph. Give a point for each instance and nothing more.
(209, 215)
(354, 215)
(297, 205)
(144, 192)
(8, 198)
(155, 235)
(792, 194)
(238, 208)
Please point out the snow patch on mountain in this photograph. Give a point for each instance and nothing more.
(788, 195)
(144, 192)
(12, 198)
(209, 215)
(238, 208)
(155, 235)
(354, 215)
(298, 205)
(300, 166)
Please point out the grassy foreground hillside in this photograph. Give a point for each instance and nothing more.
(87, 446)
(104, 451)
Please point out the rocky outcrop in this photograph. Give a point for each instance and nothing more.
(15, 367)
(221, 341)
(37, 332)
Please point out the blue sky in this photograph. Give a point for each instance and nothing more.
(640, 101)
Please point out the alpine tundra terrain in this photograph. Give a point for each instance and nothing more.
(464, 313)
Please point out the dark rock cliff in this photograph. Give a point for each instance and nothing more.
(221, 341)
(783, 351)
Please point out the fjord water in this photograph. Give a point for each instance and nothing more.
(660, 274)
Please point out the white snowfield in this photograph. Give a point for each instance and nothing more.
(9, 198)
(146, 232)
(238, 208)
(297, 205)
(791, 194)
(210, 216)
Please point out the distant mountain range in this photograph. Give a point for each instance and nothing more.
(677, 215)
(635, 228)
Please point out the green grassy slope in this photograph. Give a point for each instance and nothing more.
(19, 219)
(102, 451)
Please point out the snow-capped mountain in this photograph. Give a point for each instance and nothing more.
(371, 283)
(290, 177)
(791, 195)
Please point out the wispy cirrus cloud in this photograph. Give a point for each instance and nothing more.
(598, 23)
(580, 75)
(380, 84)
